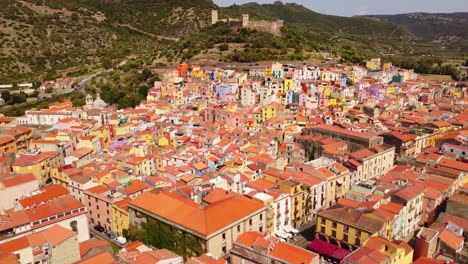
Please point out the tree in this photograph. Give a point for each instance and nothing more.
(224, 47)
(162, 235)
(6, 96)
(17, 98)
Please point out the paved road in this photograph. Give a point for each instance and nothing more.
(103, 236)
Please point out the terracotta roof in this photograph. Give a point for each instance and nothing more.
(136, 186)
(218, 195)
(185, 212)
(18, 180)
(101, 258)
(87, 245)
(53, 236)
(450, 239)
(205, 259)
(248, 238)
(47, 193)
(453, 164)
(292, 254)
(29, 160)
(353, 217)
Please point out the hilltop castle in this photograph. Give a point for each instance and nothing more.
(273, 27)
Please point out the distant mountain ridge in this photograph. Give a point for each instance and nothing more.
(430, 26)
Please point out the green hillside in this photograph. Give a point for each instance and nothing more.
(44, 39)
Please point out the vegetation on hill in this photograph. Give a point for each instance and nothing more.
(124, 87)
(447, 31)
(42, 43)
(45, 39)
(19, 108)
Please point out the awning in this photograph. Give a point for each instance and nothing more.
(327, 249)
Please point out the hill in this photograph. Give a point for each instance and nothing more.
(449, 29)
(430, 26)
(44, 39)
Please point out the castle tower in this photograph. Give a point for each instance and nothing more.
(245, 20)
(214, 16)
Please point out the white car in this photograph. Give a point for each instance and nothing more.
(121, 240)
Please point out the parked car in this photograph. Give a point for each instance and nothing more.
(110, 235)
(99, 228)
(121, 240)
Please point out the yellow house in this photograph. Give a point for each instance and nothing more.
(122, 130)
(458, 94)
(268, 71)
(397, 252)
(288, 84)
(332, 101)
(103, 177)
(432, 139)
(63, 136)
(120, 216)
(441, 125)
(102, 133)
(347, 227)
(138, 165)
(59, 177)
(39, 164)
(90, 141)
(163, 141)
(269, 111)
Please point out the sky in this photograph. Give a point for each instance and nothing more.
(369, 7)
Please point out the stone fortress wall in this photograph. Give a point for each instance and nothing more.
(273, 27)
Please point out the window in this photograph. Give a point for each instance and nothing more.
(346, 228)
(322, 230)
(334, 224)
(224, 236)
(261, 216)
(333, 233)
(74, 225)
(260, 229)
(238, 228)
(345, 237)
(250, 221)
(224, 249)
(358, 242)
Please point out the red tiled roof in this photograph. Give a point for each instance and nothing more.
(248, 238)
(18, 180)
(292, 254)
(87, 245)
(189, 214)
(47, 193)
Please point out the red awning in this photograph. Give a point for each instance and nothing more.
(327, 249)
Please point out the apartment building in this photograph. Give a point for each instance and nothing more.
(215, 226)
